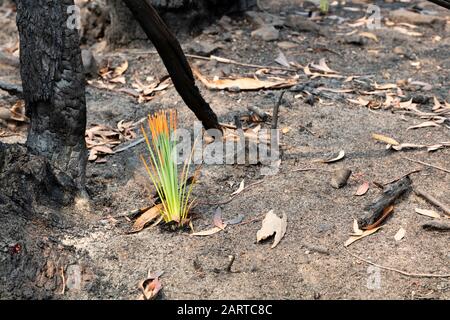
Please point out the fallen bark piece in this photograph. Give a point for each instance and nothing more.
(376, 210)
(340, 178)
(437, 225)
(433, 200)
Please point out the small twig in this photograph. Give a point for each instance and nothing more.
(428, 165)
(63, 290)
(310, 169)
(416, 275)
(252, 220)
(129, 146)
(433, 200)
(400, 178)
(276, 109)
(224, 60)
(231, 259)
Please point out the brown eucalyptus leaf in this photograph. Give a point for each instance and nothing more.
(362, 189)
(147, 217)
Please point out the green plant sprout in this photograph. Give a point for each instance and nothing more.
(162, 168)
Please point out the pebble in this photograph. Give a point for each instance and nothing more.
(267, 33)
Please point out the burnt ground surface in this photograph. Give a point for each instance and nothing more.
(311, 261)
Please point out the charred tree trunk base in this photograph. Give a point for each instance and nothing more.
(33, 219)
(27, 181)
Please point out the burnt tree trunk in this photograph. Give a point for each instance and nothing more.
(174, 59)
(183, 17)
(53, 86)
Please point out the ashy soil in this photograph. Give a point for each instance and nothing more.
(311, 261)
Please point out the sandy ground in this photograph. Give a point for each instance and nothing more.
(310, 262)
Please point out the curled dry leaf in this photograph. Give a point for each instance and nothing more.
(360, 101)
(339, 157)
(313, 75)
(146, 217)
(363, 234)
(272, 224)
(385, 139)
(322, 66)
(362, 189)
(120, 70)
(428, 213)
(436, 104)
(208, 232)
(400, 234)
(150, 287)
(369, 35)
(240, 189)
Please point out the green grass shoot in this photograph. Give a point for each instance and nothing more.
(162, 167)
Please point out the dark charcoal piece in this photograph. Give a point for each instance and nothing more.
(373, 212)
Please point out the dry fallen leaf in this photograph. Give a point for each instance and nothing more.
(362, 189)
(240, 189)
(360, 101)
(322, 66)
(364, 234)
(425, 124)
(385, 86)
(429, 148)
(208, 232)
(436, 104)
(245, 83)
(369, 35)
(385, 139)
(120, 70)
(217, 219)
(146, 217)
(150, 287)
(407, 32)
(270, 225)
(428, 213)
(340, 156)
(282, 60)
(400, 234)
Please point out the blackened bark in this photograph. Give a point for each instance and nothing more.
(174, 59)
(53, 85)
